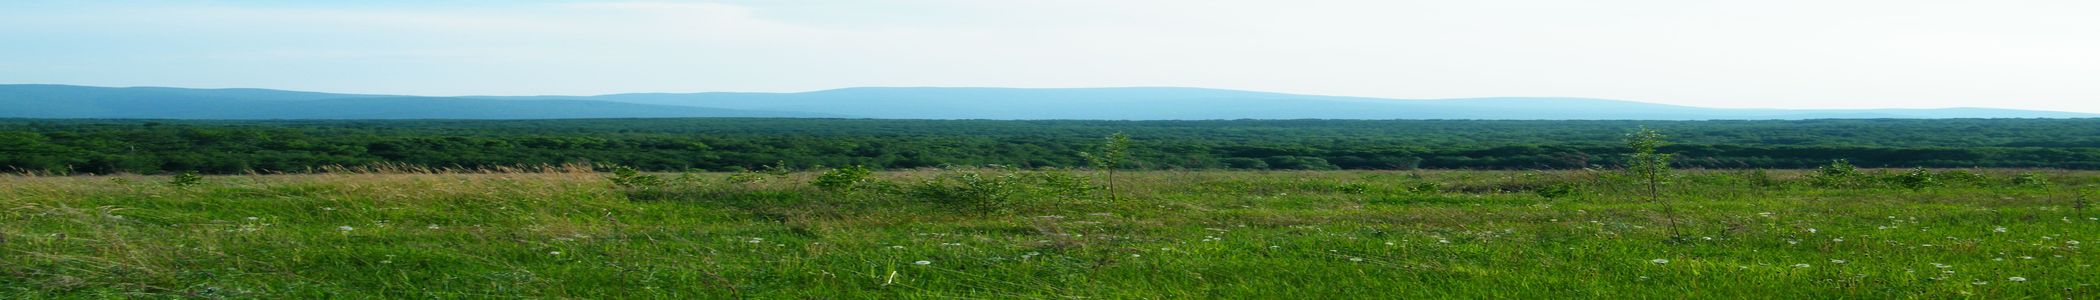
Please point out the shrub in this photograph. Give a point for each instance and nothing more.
(1838, 174)
(1962, 177)
(842, 179)
(1005, 191)
(627, 177)
(638, 186)
(779, 169)
(1760, 178)
(966, 191)
(1353, 188)
(186, 179)
(1057, 183)
(2035, 180)
(745, 177)
(1917, 179)
(687, 178)
(1556, 191)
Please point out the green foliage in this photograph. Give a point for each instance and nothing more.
(968, 191)
(842, 179)
(1426, 188)
(1298, 163)
(1244, 163)
(627, 177)
(637, 185)
(1838, 174)
(186, 179)
(1644, 163)
(779, 169)
(1114, 150)
(2031, 180)
(1962, 178)
(1056, 184)
(998, 191)
(2083, 200)
(1918, 179)
(1652, 169)
(1356, 188)
(779, 146)
(1556, 191)
(745, 177)
(1760, 178)
(687, 178)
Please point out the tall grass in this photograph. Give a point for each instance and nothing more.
(571, 232)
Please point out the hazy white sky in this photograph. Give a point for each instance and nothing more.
(1769, 53)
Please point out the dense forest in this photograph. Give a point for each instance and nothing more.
(726, 144)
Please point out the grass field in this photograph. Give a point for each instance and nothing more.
(991, 233)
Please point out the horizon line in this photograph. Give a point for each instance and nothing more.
(2093, 114)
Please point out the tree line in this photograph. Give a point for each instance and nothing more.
(730, 144)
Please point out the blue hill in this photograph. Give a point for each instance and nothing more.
(1132, 103)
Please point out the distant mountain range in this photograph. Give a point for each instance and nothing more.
(1143, 103)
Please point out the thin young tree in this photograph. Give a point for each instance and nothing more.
(1652, 169)
(1113, 152)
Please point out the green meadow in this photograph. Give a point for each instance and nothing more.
(576, 232)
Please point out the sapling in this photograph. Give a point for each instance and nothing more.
(1113, 152)
(2081, 203)
(1651, 168)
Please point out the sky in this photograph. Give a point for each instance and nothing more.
(1765, 54)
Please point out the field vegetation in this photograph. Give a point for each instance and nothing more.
(580, 231)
